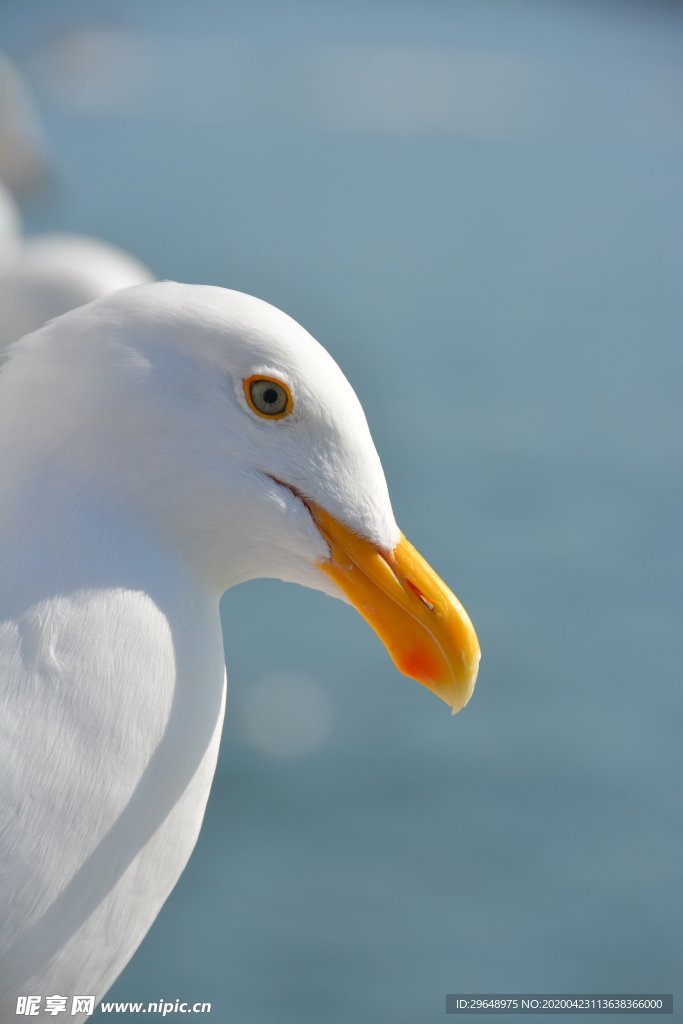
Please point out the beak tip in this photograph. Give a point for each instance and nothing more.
(472, 667)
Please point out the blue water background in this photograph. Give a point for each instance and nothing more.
(477, 207)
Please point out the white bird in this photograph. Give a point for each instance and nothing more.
(43, 276)
(51, 274)
(158, 446)
(23, 159)
(10, 228)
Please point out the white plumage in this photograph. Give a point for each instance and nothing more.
(136, 485)
(43, 276)
(23, 159)
(10, 228)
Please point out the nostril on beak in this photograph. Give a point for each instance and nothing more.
(409, 583)
(418, 593)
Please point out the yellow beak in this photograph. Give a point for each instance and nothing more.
(422, 624)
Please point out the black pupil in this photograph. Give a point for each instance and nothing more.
(270, 396)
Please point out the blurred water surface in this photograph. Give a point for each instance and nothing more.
(476, 207)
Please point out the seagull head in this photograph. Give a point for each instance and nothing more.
(221, 425)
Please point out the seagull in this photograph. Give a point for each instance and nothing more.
(158, 446)
(23, 154)
(43, 276)
(10, 228)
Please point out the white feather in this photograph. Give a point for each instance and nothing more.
(23, 162)
(135, 486)
(43, 276)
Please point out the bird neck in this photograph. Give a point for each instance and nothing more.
(111, 628)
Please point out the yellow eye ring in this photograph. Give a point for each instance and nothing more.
(267, 397)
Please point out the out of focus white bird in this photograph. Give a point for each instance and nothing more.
(43, 276)
(51, 274)
(10, 228)
(23, 159)
(158, 446)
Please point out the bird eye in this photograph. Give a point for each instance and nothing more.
(268, 397)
